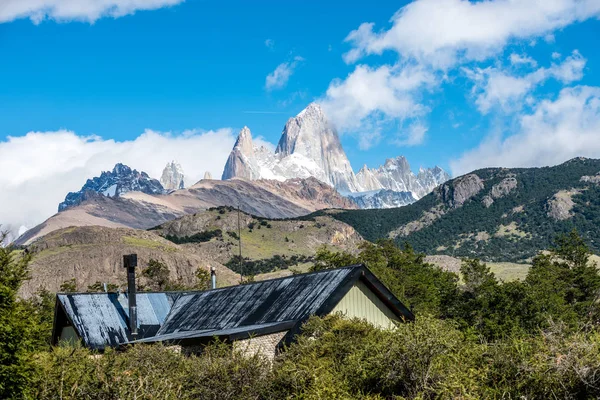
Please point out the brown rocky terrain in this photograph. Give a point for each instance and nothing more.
(93, 254)
(261, 239)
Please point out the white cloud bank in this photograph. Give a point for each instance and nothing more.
(445, 32)
(76, 10)
(432, 39)
(554, 132)
(40, 168)
(279, 78)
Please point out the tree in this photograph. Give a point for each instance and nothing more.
(563, 285)
(327, 259)
(14, 344)
(202, 279)
(157, 274)
(99, 287)
(69, 286)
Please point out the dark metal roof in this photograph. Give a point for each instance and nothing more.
(101, 319)
(292, 298)
(234, 312)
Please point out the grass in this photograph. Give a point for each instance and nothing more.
(266, 242)
(507, 271)
(60, 250)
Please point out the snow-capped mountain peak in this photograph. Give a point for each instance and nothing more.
(120, 180)
(309, 146)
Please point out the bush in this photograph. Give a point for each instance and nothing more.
(199, 237)
(149, 372)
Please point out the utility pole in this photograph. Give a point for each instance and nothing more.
(240, 246)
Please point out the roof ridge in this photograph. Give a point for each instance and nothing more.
(293, 276)
(185, 292)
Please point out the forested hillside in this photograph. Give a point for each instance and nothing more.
(496, 213)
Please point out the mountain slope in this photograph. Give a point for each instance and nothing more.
(271, 199)
(496, 213)
(261, 238)
(92, 254)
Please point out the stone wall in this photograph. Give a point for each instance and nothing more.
(265, 345)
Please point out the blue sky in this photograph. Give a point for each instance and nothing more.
(454, 83)
(199, 64)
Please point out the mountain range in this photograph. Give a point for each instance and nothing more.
(308, 171)
(497, 214)
(115, 183)
(141, 210)
(310, 146)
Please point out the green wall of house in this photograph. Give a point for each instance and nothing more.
(361, 302)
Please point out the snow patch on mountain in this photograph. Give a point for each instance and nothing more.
(120, 180)
(383, 198)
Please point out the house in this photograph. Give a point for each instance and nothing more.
(259, 316)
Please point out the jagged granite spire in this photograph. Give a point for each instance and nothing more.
(310, 135)
(309, 147)
(367, 180)
(172, 176)
(241, 162)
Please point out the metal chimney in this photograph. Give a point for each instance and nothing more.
(213, 277)
(130, 262)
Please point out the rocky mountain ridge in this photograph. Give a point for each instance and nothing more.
(139, 210)
(396, 175)
(497, 214)
(310, 147)
(115, 183)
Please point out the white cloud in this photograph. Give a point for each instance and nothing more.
(369, 138)
(270, 43)
(516, 59)
(414, 136)
(553, 133)
(432, 38)
(445, 32)
(507, 89)
(386, 92)
(556, 55)
(279, 78)
(76, 10)
(40, 168)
